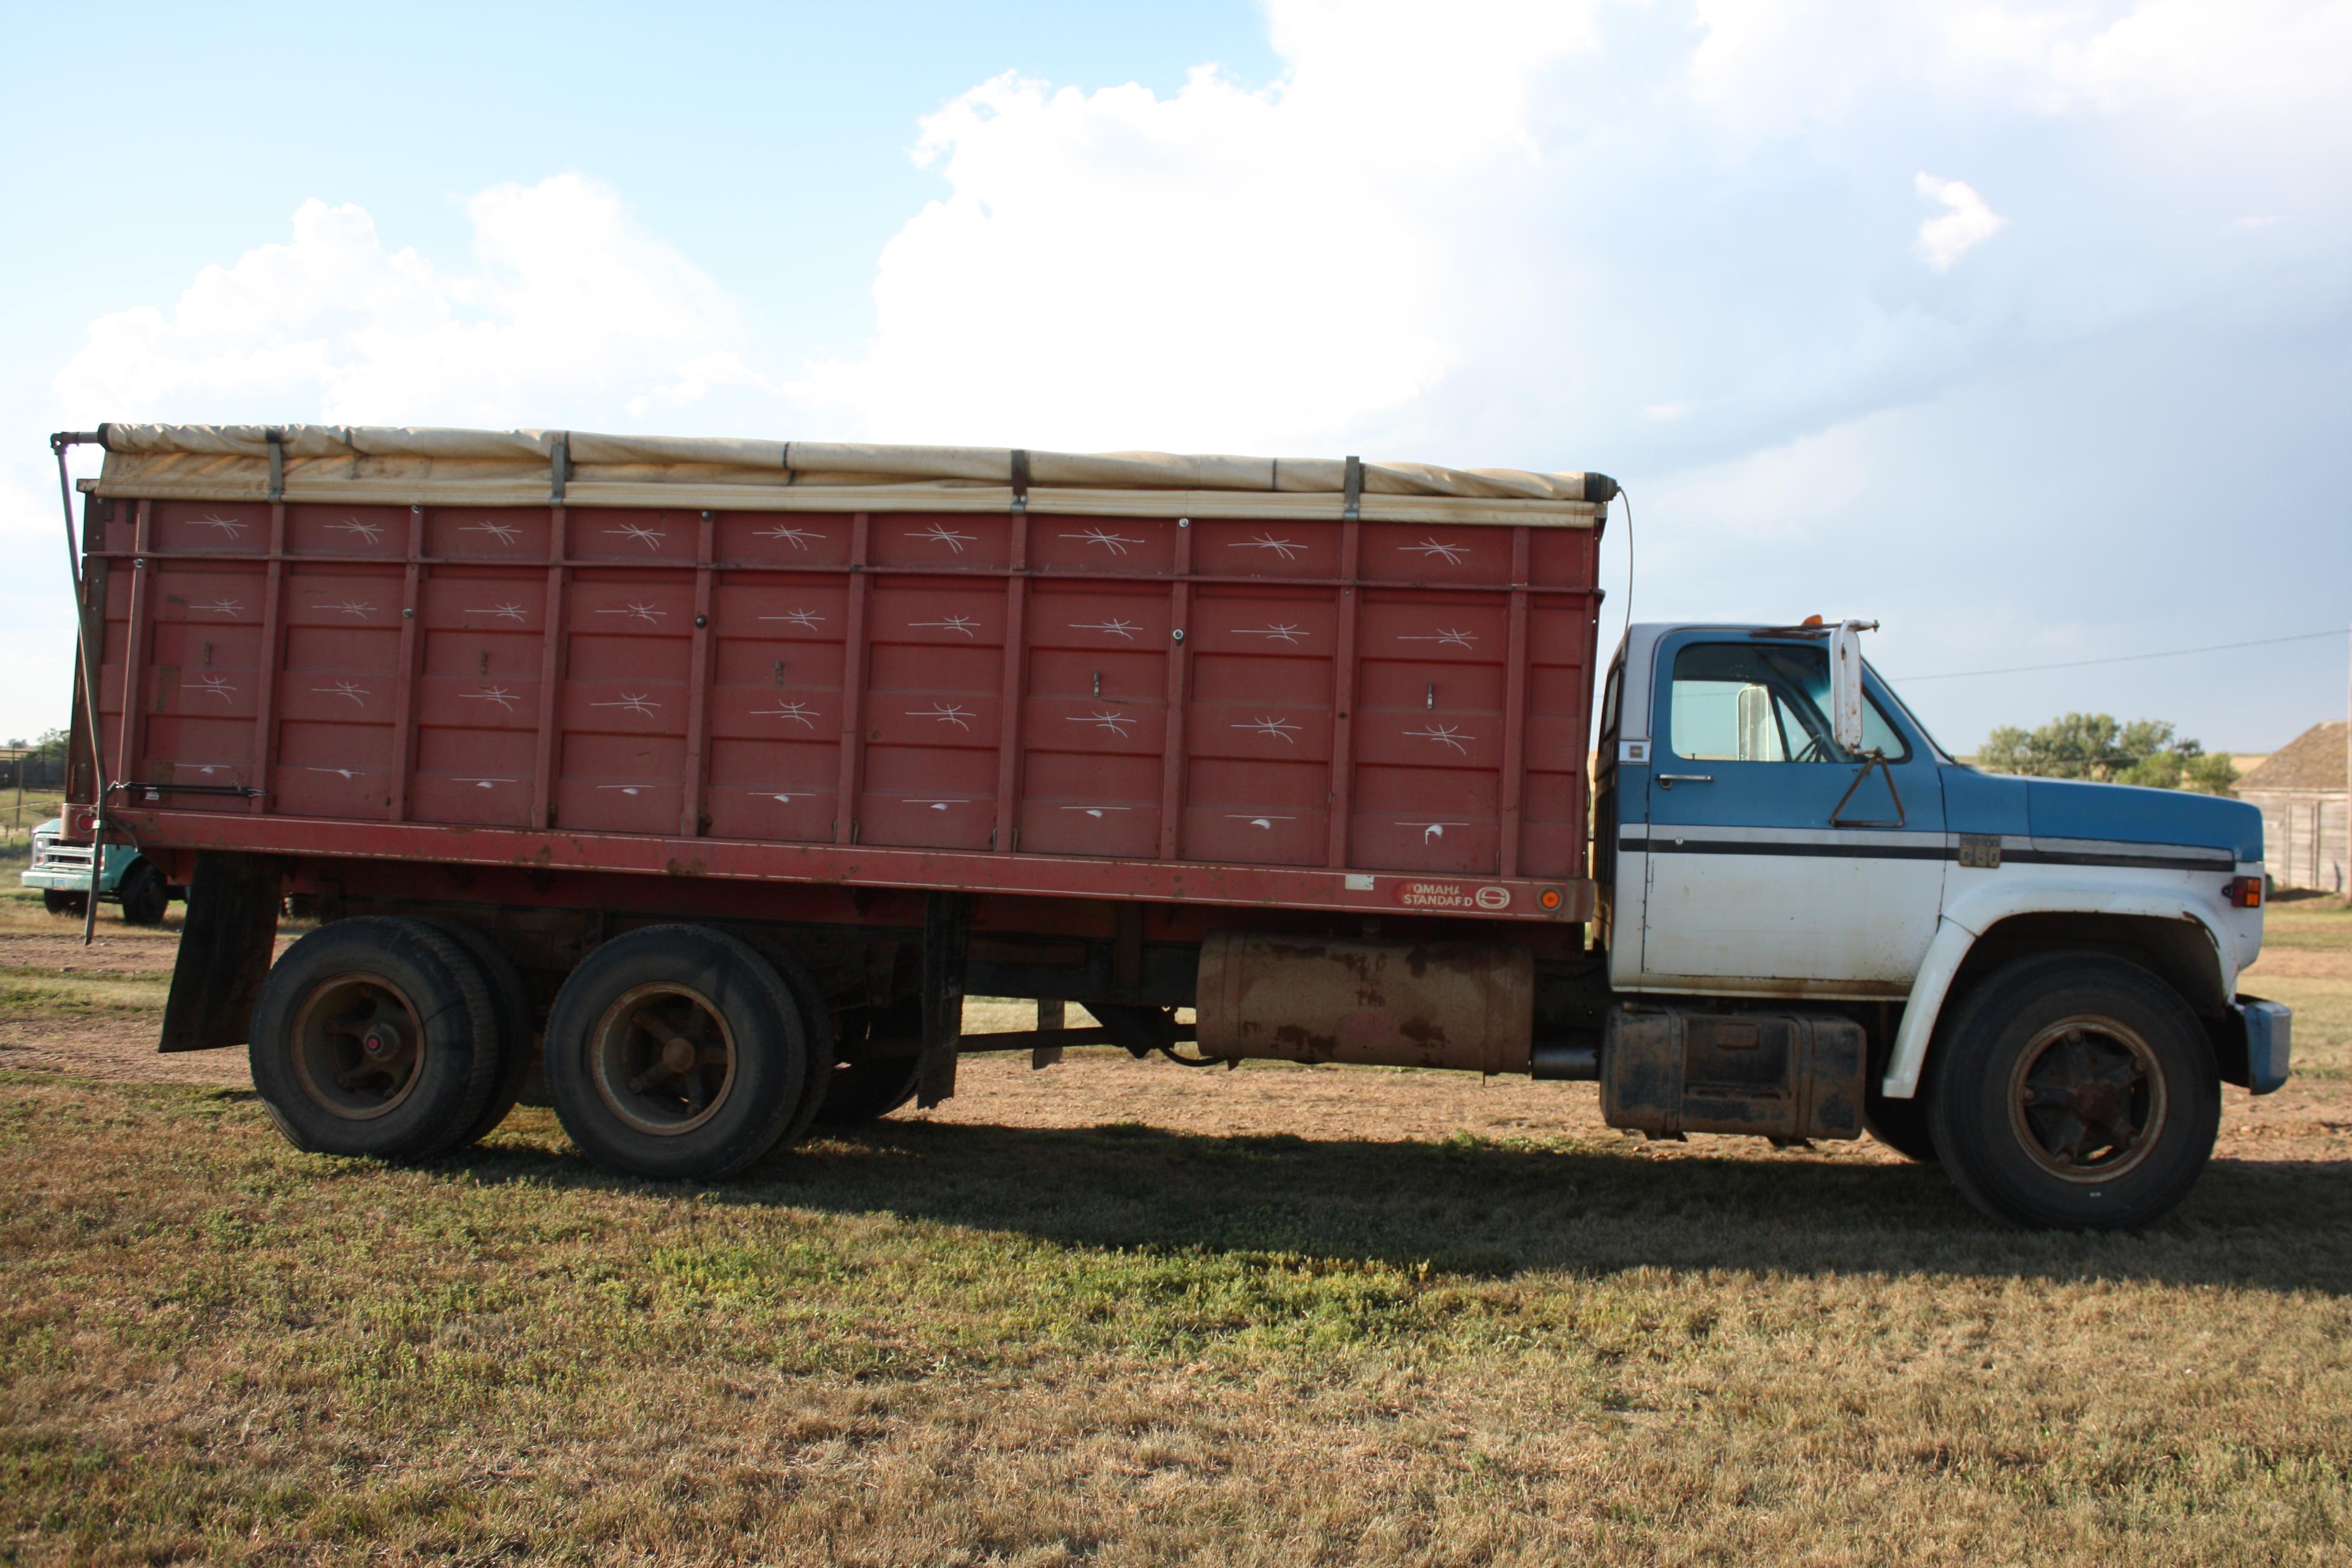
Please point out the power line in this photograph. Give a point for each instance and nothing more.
(2123, 658)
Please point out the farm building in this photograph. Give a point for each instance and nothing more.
(2301, 792)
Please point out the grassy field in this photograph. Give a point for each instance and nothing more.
(1124, 1313)
(2313, 922)
(16, 825)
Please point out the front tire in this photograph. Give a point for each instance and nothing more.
(675, 1052)
(144, 894)
(2074, 1092)
(374, 1037)
(61, 903)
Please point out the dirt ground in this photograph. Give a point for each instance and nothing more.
(1126, 1312)
(2311, 1118)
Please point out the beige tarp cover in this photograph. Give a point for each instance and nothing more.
(364, 464)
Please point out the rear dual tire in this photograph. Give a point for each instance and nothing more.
(510, 1007)
(674, 1052)
(677, 1052)
(879, 1074)
(375, 1038)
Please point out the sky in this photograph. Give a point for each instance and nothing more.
(2025, 329)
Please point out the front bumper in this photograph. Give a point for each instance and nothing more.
(59, 868)
(2256, 1044)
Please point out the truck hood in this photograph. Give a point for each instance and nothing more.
(2068, 808)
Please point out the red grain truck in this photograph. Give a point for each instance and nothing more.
(709, 775)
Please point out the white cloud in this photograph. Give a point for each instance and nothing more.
(1784, 66)
(1262, 267)
(564, 304)
(1511, 231)
(2265, 59)
(1966, 222)
(1660, 239)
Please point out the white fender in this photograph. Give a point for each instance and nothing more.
(1976, 910)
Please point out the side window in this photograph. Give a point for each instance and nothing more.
(1878, 735)
(1610, 696)
(1762, 703)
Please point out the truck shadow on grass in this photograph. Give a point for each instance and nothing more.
(1480, 1209)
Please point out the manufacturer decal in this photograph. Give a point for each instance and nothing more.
(1491, 897)
(1980, 852)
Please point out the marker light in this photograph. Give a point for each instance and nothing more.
(2243, 892)
(1549, 898)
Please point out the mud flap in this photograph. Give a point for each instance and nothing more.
(947, 930)
(224, 944)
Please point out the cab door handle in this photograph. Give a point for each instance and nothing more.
(1668, 780)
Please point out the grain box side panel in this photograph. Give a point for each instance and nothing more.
(776, 696)
(628, 636)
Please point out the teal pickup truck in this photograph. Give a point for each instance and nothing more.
(62, 873)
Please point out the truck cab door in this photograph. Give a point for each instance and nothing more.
(1770, 855)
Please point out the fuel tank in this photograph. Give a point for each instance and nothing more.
(1666, 1071)
(1465, 1005)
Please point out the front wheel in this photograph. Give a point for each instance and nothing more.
(144, 894)
(2074, 1092)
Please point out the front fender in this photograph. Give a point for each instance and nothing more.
(1975, 910)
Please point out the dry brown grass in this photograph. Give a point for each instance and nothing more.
(1123, 1313)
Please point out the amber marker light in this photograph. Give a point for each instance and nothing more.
(1548, 898)
(2244, 892)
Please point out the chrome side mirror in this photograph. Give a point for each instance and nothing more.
(1846, 684)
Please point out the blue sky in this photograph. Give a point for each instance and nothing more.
(2025, 329)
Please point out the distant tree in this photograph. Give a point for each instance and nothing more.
(2095, 746)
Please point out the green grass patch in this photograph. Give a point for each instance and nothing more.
(27, 991)
(957, 1343)
(2312, 922)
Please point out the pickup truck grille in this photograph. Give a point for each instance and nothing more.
(62, 856)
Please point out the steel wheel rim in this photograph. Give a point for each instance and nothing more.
(663, 1059)
(2087, 1098)
(359, 1047)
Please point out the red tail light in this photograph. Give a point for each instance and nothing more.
(85, 822)
(2244, 892)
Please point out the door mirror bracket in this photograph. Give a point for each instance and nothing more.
(1873, 759)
